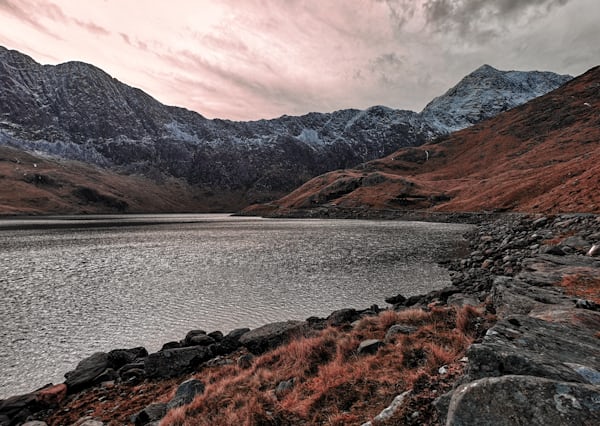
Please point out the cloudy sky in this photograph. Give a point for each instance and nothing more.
(250, 59)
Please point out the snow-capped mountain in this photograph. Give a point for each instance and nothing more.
(77, 111)
(485, 93)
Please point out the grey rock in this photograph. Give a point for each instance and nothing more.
(217, 336)
(87, 372)
(117, 358)
(552, 249)
(272, 335)
(524, 400)
(151, 413)
(342, 316)
(200, 340)
(369, 347)
(35, 423)
(231, 341)
(174, 362)
(524, 345)
(191, 334)
(90, 422)
(396, 329)
(284, 387)
(186, 392)
(391, 409)
(245, 361)
(132, 375)
(576, 243)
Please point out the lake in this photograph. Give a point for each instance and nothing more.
(72, 286)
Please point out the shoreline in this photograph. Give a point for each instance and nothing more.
(515, 262)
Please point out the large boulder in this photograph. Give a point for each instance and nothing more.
(152, 413)
(524, 345)
(524, 400)
(174, 362)
(117, 358)
(231, 341)
(270, 336)
(87, 372)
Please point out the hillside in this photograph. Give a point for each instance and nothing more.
(76, 111)
(543, 156)
(33, 185)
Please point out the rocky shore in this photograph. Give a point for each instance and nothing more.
(535, 357)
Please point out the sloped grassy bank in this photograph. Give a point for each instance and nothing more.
(514, 340)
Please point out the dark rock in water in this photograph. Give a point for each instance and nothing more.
(133, 376)
(191, 334)
(174, 362)
(394, 300)
(216, 335)
(342, 316)
(524, 345)
(117, 358)
(231, 341)
(271, 335)
(200, 340)
(171, 345)
(87, 372)
(151, 413)
(396, 329)
(524, 400)
(107, 375)
(186, 392)
(369, 347)
(16, 409)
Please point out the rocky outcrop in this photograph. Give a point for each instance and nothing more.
(540, 363)
(531, 400)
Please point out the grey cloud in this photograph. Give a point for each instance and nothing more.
(91, 27)
(482, 20)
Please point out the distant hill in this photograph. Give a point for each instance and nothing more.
(543, 156)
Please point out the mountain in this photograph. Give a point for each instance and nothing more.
(76, 111)
(543, 156)
(485, 93)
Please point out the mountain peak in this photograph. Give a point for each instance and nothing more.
(486, 92)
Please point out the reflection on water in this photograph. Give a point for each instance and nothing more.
(68, 292)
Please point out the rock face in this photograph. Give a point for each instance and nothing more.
(174, 362)
(87, 372)
(77, 111)
(510, 400)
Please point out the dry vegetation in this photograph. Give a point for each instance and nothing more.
(583, 286)
(332, 384)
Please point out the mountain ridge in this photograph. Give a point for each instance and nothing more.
(542, 156)
(76, 111)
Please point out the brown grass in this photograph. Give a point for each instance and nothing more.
(583, 286)
(333, 384)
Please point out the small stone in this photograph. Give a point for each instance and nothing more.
(284, 387)
(151, 413)
(396, 329)
(245, 361)
(443, 370)
(186, 392)
(594, 251)
(369, 347)
(35, 423)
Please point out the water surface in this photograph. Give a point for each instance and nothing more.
(74, 286)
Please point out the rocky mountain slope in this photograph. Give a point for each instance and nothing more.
(543, 156)
(78, 112)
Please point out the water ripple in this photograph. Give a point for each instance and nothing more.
(70, 292)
